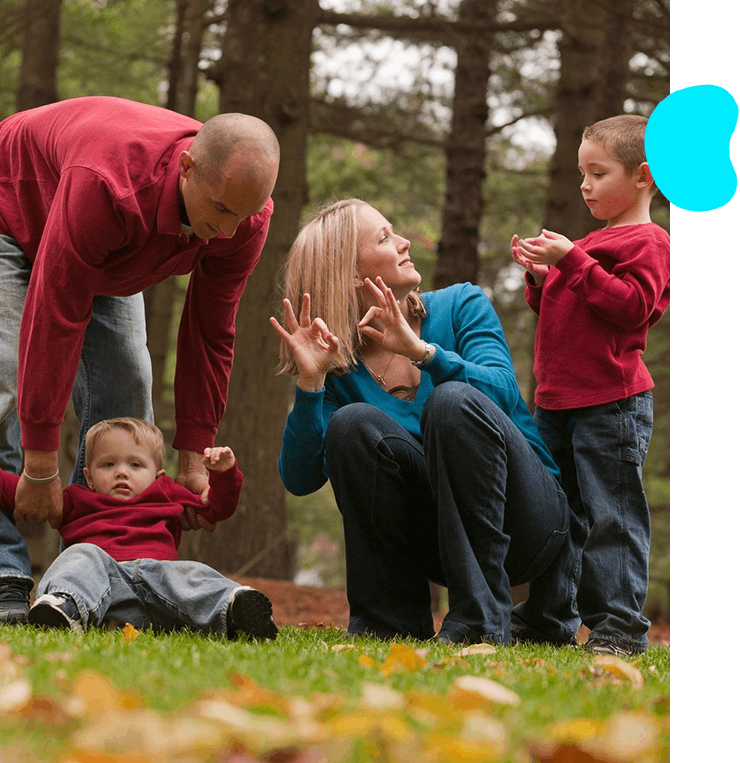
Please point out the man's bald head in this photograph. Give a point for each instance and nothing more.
(241, 141)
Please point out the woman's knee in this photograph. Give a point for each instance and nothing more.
(349, 422)
(451, 402)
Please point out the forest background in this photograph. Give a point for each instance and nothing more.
(459, 119)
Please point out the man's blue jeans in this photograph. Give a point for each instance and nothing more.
(471, 507)
(114, 378)
(144, 592)
(601, 451)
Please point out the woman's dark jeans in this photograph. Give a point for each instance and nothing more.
(471, 508)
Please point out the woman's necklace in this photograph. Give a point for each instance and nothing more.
(381, 377)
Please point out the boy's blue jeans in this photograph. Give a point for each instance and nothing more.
(144, 592)
(601, 451)
(471, 507)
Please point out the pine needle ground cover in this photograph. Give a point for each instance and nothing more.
(312, 696)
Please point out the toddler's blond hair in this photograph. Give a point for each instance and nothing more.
(144, 434)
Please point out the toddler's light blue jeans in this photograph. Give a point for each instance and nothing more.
(144, 592)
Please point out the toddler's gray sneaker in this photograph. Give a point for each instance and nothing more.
(55, 610)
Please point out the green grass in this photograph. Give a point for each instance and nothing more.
(160, 676)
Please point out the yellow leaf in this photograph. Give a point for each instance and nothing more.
(576, 730)
(450, 748)
(94, 694)
(129, 633)
(402, 657)
(428, 708)
(352, 724)
(370, 723)
(618, 667)
(368, 662)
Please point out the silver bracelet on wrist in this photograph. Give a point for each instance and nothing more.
(427, 354)
(40, 480)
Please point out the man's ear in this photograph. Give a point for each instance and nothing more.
(186, 164)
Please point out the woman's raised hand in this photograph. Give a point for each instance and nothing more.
(386, 324)
(313, 347)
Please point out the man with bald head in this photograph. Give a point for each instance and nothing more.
(100, 198)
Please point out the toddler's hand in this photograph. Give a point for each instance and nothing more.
(218, 459)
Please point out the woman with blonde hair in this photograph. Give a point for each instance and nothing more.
(408, 404)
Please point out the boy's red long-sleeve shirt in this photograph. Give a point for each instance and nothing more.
(89, 187)
(595, 309)
(145, 527)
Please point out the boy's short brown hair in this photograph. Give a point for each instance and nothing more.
(623, 135)
(144, 434)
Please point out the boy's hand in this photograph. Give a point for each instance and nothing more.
(218, 459)
(538, 272)
(547, 249)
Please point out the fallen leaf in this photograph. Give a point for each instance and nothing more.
(381, 697)
(620, 668)
(562, 753)
(14, 694)
(367, 661)
(576, 730)
(129, 633)
(44, 710)
(626, 737)
(487, 689)
(93, 694)
(453, 661)
(477, 649)
(402, 657)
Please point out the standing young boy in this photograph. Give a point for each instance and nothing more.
(121, 536)
(596, 299)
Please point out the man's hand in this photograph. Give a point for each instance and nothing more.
(192, 474)
(39, 501)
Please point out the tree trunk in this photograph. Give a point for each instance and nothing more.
(37, 78)
(264, 71)
(160, 302)
(617, 49)
(457, 253)
(576, 101)
(174, 65)
(195, 27)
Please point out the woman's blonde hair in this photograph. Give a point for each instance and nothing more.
(323, 263)
(144, 434)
